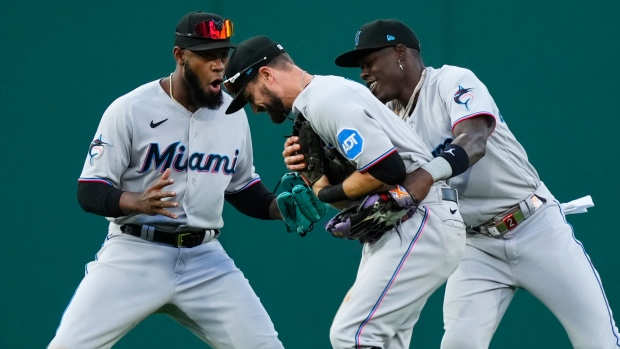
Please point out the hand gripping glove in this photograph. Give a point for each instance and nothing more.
(368, 218)
(311, 148)
(299, 205)
(320, 159)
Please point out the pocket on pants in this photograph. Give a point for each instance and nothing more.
(454, 223)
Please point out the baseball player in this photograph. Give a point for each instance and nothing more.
(517, 233)
(163, 160)
(401, 270)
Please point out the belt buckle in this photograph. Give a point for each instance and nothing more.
(507, 223)
(180, 239)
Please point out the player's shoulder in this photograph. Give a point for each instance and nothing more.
(450, 71)
(141, 93)
(448, 76)
(330, 92)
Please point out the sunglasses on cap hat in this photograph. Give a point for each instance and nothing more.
(211, 29)
(229, 83)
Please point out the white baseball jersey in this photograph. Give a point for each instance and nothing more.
(540, 255)
(354, 120)
(504, 176)
(399, 272)
(142, 134)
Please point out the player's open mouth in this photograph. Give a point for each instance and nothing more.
(371, 85)
(216, 84)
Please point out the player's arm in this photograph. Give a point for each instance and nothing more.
(469, 105)
(255, 201)
(472, 134)
(103, 199)
(381, 176)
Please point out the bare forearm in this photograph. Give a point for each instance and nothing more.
(360, 184)
(474, 145)
(274, 212)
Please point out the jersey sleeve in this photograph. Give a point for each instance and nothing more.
(245, 175)
(109, 152)
(465, 97)
(347, 124)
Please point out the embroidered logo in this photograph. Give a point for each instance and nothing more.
(463, 96)
(96, 148)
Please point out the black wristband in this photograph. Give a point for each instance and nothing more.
(332, 193)
(457, 158)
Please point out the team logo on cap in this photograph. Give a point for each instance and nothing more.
(351, 143)
(462, 96)
(357, 37)
(96, 148)
(390, 38)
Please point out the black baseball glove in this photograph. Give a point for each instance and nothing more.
(320, 159)
(369, 218)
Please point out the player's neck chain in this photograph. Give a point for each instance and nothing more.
(170, 86)
(416, 90)
(303, 73)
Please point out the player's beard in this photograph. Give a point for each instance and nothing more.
(274, 107)
(199, 97)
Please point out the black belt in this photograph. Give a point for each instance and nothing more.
(182, 239)
(449, 194)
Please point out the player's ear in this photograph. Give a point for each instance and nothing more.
(264, 73)
(179, 55)
(401, 51)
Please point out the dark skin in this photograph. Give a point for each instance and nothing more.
(209, 68)
(393, 83)
(388, 82)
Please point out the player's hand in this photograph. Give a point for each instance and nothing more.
(150, 202)
(293, 161)
(418, 183)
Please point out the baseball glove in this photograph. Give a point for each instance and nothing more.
(299, 205)
(320, 159)
(368, 218)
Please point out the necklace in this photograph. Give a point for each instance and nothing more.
(170, 86)
(417, 88)
(302, 80)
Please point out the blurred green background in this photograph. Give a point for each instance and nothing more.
(552, 67)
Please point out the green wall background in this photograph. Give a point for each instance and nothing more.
(551, 66)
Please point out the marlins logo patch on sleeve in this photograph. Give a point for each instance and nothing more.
(96, 148)
(351, 143)
(463, 96)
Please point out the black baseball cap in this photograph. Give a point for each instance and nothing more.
(200, 31)
(376, 35)
(243, 65)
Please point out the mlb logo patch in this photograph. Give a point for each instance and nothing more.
(351, 143)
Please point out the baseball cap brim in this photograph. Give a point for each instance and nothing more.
(210, 46)
(352, 58)
(237, 103)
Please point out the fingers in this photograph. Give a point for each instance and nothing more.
(291, 150)
(290, 141)
(296, 166)
(165, 212)
(163, 181)
(293, 161)
(153, 200)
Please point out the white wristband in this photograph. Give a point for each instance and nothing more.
(439, 168)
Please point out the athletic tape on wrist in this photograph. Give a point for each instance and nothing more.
(439, 168)
(332, 193)
(457, 157)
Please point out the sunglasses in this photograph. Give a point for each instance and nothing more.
(212, 30)
(228, 83)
